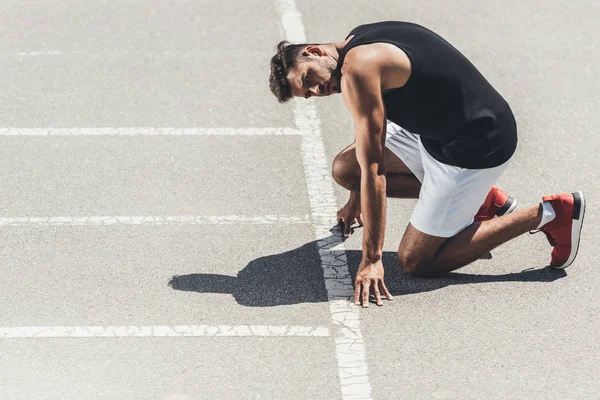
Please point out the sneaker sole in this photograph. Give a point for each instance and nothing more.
(578, 213)
(508, 207)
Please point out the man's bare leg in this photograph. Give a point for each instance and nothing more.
(400, 181)
(425, 255)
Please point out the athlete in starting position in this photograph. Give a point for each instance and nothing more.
(427, 125)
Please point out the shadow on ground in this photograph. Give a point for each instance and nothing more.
(296, 277)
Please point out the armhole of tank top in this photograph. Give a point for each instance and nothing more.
(410, 57)
(344, 49)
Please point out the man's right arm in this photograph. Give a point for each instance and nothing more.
(361, 88)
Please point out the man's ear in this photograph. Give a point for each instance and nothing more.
(316, 50)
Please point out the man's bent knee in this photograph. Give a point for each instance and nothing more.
(417, 251)
(345, 172)
(415, 266)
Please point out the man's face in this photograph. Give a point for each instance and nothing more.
(315, 77)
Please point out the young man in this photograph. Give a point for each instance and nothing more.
(427, 125)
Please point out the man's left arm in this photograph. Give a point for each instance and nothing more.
(361, 90)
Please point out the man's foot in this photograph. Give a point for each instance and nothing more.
(564, 230)
(497, 203)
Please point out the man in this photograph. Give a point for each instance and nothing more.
(429, 126)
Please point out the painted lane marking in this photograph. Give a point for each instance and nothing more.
(155, 220)
(40, 53)
(350, 348)
(28, 332)
(142, 131)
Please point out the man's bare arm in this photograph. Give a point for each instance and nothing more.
(361, 88)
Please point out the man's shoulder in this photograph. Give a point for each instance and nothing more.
(361, 59)
(361, 78)
(372, 66)
(379, 58)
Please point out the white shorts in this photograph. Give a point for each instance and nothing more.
(450, 196)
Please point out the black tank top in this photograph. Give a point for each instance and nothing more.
(461, 119)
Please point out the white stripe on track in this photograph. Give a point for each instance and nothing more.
(155, 220)
(135, 131)
(131, 52)
(27, 332)
(350, 349)
(42, 53)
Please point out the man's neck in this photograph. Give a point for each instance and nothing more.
(334, 50)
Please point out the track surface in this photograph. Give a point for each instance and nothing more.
(180, 263)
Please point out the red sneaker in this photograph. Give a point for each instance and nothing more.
(563, 231)
(497, 203)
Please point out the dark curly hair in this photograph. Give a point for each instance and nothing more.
(287, 57)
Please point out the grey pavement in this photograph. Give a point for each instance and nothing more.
(182, 368)
(505, 327)
(152, 176)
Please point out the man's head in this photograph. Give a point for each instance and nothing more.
(304, 70)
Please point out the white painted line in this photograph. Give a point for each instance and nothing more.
(155, 220)
(350, 348)
(28, 332)
(42, 53)
(149, 132)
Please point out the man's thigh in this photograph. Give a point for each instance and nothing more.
(393, 164)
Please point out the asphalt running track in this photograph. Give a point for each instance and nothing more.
(181, 233)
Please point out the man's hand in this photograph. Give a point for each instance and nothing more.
(370, 274)
(350, 213)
